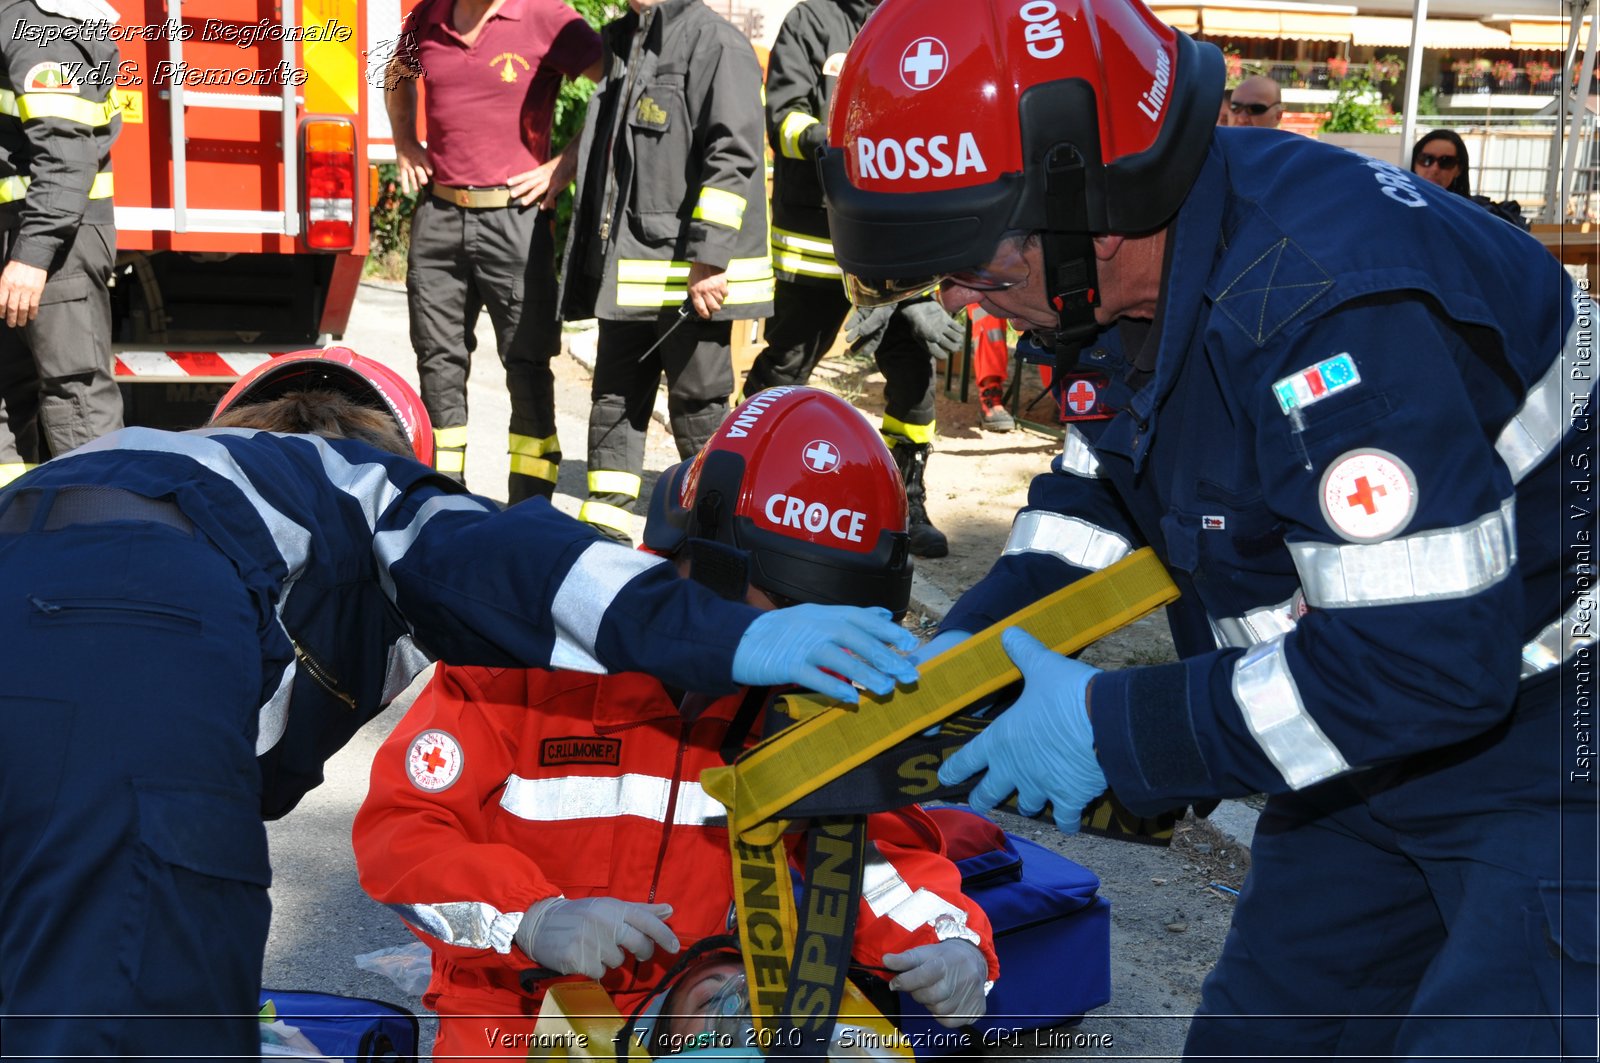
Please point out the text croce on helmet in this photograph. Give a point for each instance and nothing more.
(362, 380)
(956, 122)
(801, 498)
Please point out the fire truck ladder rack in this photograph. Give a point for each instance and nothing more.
(180, 218)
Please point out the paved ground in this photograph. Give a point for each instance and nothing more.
(1169, 915)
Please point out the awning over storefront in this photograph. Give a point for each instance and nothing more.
(1537, 34)
(1244, 18)
(1438, 33)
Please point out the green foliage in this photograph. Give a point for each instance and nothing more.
(1356, 109)
(1428, 101)
(573, 103)
(391, 226)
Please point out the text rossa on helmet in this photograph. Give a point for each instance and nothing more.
(360, 379)
(799, 483)
(956, 122)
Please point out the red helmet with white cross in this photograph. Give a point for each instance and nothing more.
(362, 380)
(798, 483)
(957, 122)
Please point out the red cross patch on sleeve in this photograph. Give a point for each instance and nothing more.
(1082, 396)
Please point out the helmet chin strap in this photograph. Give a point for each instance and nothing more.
(1071, 277)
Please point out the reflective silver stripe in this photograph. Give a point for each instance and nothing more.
(1537, 427)
(1429, 566)
(1259, 625)
(887, 894)
(571, 797)
(1072, 539)
(406, 662)
(1270, 701)
(1560, 639)
(1077, 456)
(469, 924)
(293, 542)
(389, 547)
(587, 591)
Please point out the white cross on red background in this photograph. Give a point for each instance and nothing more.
(821, 456)
(925, 58)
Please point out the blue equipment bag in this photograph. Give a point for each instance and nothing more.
(1052, 932)
(352, 1028)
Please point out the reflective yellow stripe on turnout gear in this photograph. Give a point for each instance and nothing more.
(15, 188)
(527, 456)
(611, 482)
(794, 123)
(894, 430)
(802, 255)
(606, 516)
(720, 208)
(11, 470)
(32, 106)
(646, 282)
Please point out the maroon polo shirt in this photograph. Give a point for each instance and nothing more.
(488, 106)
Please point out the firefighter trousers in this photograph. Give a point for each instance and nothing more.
(133, 860)
(698, 365)
(57, 391)
(804, 323)
(499, 259)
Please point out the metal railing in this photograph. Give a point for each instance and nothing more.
(1511, 158)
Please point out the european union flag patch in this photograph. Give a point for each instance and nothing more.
(1299, 390)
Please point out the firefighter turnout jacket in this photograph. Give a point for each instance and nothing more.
(671, 171)
(505, 787)
(365, 566)
(57, 122)
(804, 64)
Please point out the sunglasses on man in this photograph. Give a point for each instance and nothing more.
(1255, 109)
(1444, 162)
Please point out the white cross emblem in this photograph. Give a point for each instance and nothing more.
(924, 62)
(821, 456)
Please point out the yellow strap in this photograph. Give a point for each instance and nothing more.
(533, 445)
(764, 900)
(830, 741)
(609, 482)
(450, 437)
(32, 106)
(720, 208)
(916, 433)
(794, 123)
(538, 468)
(606, 516)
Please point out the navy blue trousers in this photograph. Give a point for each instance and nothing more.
(1442, 908)
(133, 860)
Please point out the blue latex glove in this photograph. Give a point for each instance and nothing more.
(794, 645)
(937, 645)
(1043, 746)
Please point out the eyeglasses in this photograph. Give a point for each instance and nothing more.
(1006, 268)
(1255, 109)
(1444, 162)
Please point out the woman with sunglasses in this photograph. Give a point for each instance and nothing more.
(1441, 157)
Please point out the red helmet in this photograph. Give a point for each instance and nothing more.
(1055, 116)
(362, 380)
(802, 489)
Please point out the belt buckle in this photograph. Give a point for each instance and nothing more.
(463, 196)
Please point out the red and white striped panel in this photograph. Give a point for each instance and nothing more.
(190, 366)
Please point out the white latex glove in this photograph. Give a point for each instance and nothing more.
(588, 936)
(946, 978)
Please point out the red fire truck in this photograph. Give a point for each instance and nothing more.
(240, 201)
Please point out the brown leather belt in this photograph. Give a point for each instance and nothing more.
(474, 198)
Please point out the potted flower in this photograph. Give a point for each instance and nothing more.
(1539, 72)
(1503, 72)
(1338, 68)
(1235, 64)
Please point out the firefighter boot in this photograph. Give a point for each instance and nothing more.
(616, 456)
(450, 452)
(926, 540)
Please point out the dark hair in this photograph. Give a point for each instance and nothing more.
(1461, 184)
(319, 413)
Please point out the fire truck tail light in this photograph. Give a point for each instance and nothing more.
(330, 183)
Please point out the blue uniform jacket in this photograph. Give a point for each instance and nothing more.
(366, 567)
(1350, 456)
